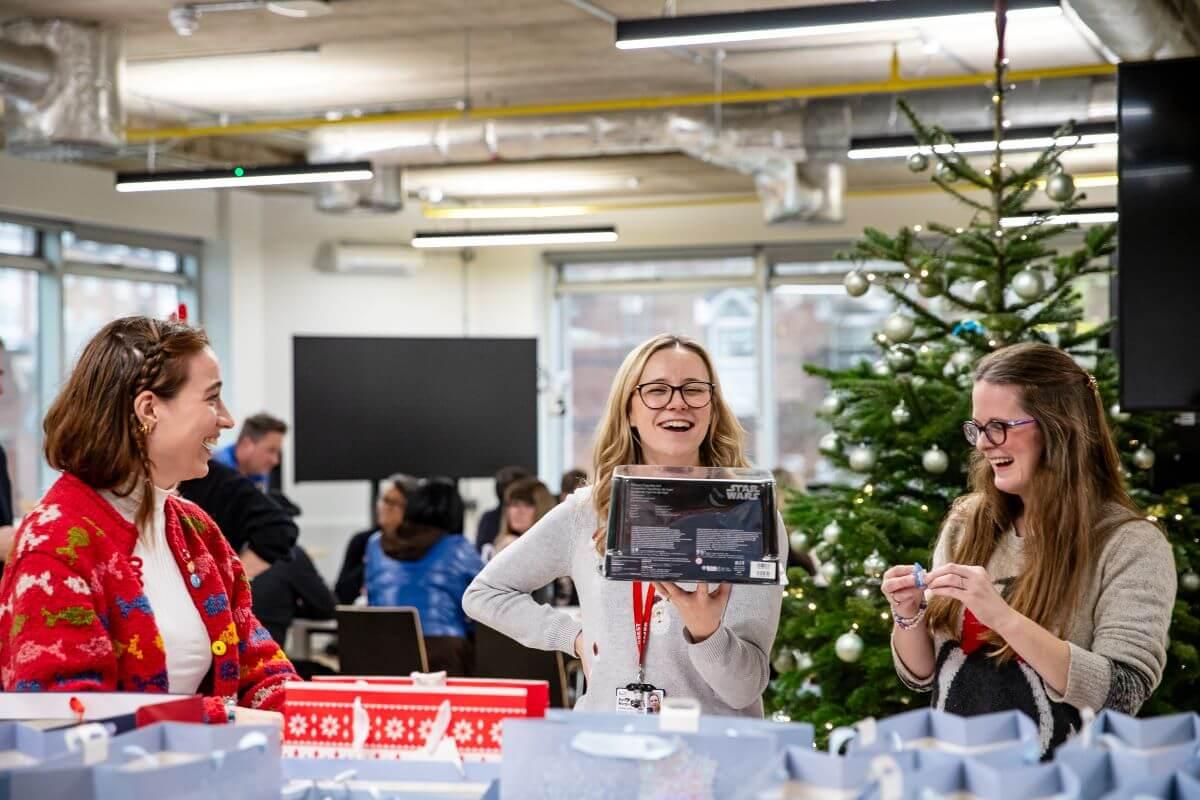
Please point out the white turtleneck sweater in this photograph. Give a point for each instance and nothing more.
(185, 639)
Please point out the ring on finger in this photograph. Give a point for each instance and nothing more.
(962, 582)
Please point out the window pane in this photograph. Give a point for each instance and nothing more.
(89, 303)
(121, 255)
(17, 240)
(822, 325)
(603, 328)
(20, 415)
(658, 270)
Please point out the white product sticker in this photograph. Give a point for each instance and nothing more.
(763, 569)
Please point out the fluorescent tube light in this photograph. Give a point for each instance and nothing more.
(785, 23)
(1086, 135)
(1083, 216)
(503, 238)
(505, 212)
(244, 176)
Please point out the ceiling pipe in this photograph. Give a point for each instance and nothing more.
(1140, 30)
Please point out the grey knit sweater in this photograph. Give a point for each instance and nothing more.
(1117, 639)
(727, 672)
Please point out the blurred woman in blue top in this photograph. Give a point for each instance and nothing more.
(427, 563)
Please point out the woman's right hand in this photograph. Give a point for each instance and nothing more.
(579, 653)
(899, 586)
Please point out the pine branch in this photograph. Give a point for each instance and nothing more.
(962, 198)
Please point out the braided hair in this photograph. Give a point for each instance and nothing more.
(92, 430)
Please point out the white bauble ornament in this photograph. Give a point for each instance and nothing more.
(899, 327)
(832, 404)
(918, 162)
(1029, 284)
(830, 570)
(901, 358)
(856, 284)
(881, 369)
(962, 359)
(1060, 188)
(862, 458)
(949, 371)
(901, 416)
(1118, 414)
(935, 461)
(830, 443)
(979, 292)
(930, 286)
(918, 381)
(798, 540)
(784, 661)
(803, 661)
(832, 532)
(874, 564)
(1190, 581)
(849, 647)
(1143, 457)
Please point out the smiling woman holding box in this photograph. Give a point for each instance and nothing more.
(665, 409)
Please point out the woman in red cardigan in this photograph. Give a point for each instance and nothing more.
(114, 583)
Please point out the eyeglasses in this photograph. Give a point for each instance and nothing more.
(695, 394)
(996, 430)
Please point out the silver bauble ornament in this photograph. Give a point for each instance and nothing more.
(830, 443)
(899, 327)
(901, 416)
(918, 162)
(935, 461)
(1190, 581)
(1118, 414)
(930, 286)
(832, 404)
(1143, 457)
(804, 661)
(1056, 168)
(1029, 284)
(862, 458)
(979, 292)
(901, 358)
(1060, 188)
(949, 371)
(856, 284)
(830, 570)
(874, 564)
(849, 647)
(784, 661)
(798, 540)
(831, 532)
(881, 369)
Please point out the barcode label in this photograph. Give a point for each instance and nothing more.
(762, 569)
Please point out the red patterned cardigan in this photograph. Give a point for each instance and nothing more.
(74, 617)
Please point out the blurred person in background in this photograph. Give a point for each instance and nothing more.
(525, 502)
(489, 521)
(572, 479)
(389, 514)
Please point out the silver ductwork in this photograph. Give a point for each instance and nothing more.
(383, 194)
(62, 89)
(1141, 30)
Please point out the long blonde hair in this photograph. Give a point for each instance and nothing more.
(617, 443)
(1077, 495)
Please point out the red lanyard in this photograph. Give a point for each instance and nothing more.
(641, 623)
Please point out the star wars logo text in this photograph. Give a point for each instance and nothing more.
(741, 491)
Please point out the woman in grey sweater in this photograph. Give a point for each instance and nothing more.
(666, 409)
(1050, 592)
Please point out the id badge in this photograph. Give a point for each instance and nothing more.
(639, 698)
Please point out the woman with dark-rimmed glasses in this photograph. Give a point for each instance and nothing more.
(1049, 592)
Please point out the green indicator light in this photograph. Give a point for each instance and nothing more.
(238, 171)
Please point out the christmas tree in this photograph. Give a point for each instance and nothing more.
(961, 291)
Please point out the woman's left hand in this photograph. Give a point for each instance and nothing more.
(974, 588)
(700, 611)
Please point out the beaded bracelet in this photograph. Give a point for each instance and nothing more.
(908, 623)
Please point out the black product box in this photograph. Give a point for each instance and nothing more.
(712, 524)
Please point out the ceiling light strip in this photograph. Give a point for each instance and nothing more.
(429, 239)
(1083, 216)
(243, 176)
(785, 23)
(1086, 135)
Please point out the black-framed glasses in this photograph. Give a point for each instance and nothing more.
(996, 430)
(656, 395)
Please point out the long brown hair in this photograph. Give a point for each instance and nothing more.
(530, 491)
(91, 429)
(1077, 497)
(616, 443)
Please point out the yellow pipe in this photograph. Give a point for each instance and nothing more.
(889, 86)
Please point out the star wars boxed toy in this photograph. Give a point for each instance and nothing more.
(713, 524)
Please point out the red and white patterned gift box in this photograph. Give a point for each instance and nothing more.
(320, 718)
